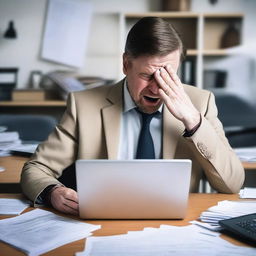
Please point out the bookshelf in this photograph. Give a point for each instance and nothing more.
(53, 108)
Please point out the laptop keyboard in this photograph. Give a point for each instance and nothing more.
(243, 226)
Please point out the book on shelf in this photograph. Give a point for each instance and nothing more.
(33, 95)
(215, 78)
(187, 71)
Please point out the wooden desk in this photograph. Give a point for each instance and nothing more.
(249, 166)
(14, 164)
(197, 204)
(10, 177)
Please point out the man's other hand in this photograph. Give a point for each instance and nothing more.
(65, 200)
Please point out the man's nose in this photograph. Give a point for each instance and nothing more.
(153, 86)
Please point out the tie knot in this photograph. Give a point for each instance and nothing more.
(146, 118)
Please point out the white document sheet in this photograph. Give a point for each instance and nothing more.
(7, 137)
(40, 231)
(11, 206)
(247, 154)
(24, 148)
(66, 31)
(8, 140)
(167, 240)
(248, 193)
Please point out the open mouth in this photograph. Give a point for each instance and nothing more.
(151, 99)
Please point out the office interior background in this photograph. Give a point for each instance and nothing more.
(104, 47)
(220, 36)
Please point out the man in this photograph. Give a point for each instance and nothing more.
(106, 122)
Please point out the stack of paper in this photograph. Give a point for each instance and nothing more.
(11, 206)
(166, 240)
(247, 154)
(24, 149)
(10, 143)
(225, 210)
(248, 193)
(8, 140)
(39, 231)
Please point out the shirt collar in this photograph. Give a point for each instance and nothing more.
(128, 101)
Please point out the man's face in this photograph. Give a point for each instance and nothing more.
(142, 85)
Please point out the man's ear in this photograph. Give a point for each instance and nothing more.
(125, 63)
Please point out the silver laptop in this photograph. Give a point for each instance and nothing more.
(136, 189)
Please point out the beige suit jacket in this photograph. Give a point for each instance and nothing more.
(90, 129)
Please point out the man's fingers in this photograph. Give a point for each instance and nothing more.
(164, 95)
(66, 209)
(173, 75)
(71, 195)
(166, 78)
(162, 84)
(66, 206)
(71, 204)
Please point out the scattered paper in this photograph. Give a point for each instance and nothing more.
(166, 240)
(247, 154)
(27, 148)
(40, 231)
(248, 193)
(11, 206)
(225, 210)
(8, 140)
(6, 137)
(3, 128)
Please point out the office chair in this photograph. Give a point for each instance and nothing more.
(30, 127)
(238, 118)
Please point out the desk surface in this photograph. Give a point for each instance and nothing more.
(42, 103)
(14, 164)
(197, 204)
(249, 166)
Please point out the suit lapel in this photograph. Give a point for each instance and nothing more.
(172, 131)
(111, 115)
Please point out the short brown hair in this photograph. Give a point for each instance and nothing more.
(153, 36)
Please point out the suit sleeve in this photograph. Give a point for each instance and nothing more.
(52, 156)
(222, 167)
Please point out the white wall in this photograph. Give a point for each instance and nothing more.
(103, 56)
(28, 15)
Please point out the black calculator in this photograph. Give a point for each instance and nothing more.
(243, 226)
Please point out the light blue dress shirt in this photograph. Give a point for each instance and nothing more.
(131, 123)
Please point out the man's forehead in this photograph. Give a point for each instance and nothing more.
(162, 60)
(151, 63)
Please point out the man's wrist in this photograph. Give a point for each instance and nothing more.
(189, 133)
(46, 194)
